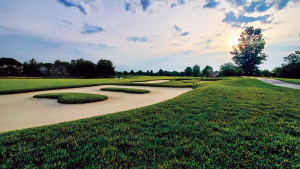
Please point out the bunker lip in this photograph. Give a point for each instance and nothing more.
(23, 111)
(153, 81)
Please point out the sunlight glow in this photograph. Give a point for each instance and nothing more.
(233, 41)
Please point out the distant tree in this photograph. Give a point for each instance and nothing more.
(182, 73)
(292, 58)
(228, 69)
(266, 73)
(257, 72)
(151, 73)
(196, 70)
(175, 73)
(125, 73)
(132, 72)
(207, 71)
(83, 68)
(147, 73)
(140, 72)
(32, 68)
(160, 72)
(188, 71)
(248, 53)
(105, 68)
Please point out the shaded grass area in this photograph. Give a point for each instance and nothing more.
(232, 123)
(73, 98)
(11, 86)
(126, 90)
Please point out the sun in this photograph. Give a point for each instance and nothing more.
(233, 41)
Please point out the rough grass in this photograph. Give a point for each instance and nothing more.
(294, 81)
(126, 90)
(231, 123)
(73, 98)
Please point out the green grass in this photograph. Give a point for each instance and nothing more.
(126, 90)
(11, 86)
(295, 81)
(73, 98)
(230, 123)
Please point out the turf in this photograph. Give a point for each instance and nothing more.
(126, 90)
(230, 123)
(11, 86)
(294, 81)
(73, 98)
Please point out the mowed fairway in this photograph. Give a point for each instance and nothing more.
(230, 123)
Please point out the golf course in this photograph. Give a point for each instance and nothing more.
(228, 122)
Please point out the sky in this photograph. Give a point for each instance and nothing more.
(145, 34)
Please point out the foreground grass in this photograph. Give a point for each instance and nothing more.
(231, 123)
(126, 90)
(73, 98)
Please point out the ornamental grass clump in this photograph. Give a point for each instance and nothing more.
(73, 98)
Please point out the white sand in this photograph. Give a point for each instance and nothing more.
(153, 81)
(18, 111)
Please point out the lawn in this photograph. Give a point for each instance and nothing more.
(126, 90)
(295, 81)
(73, 98)
(10, 86)
(230, 123)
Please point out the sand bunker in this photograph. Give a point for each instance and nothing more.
(18, 111)
(153, 81)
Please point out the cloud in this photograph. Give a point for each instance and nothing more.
(129, 8)
(176, 44)
(178, 29)
(231, 18)
(237, 2)
(135, 39)
(65, 21)
(211, 4)
(106, 46)
(218, 34)
(145, 4)
(184, 34)
(84, 8)
(187, 52)
(179, 2)
(90, 29)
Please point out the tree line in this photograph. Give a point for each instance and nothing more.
(76, 68)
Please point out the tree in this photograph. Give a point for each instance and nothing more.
(196, 70)
(188, 71)
(292, 58)
(140, 72)
(83, 68)
(266, 73)
(147, 73)
(182, 73)
(105, 68)
(248, 53)
(132, 72)
(151, 73)
(228, 69)
(31, 68)
(125, 73)
(160, 72)
(175, 73)
(207, 71)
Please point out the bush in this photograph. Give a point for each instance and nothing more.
(126, 90)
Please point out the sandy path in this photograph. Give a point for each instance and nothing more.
(153, 81)
(18, 111)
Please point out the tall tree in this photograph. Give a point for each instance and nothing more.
(248, 53)
(151, 73)
(125, 72)
(207, 71)
(147, 73)
(292, 58)
(31, 68)
(160, 72)
(83, 68)
(196, 70)
(132, 72)
(140, 72)
(188, 71)
(105, 68)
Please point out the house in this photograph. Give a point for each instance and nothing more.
(214, 74)
(54, 69)
(10, 67)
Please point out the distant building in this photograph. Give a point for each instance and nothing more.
(54, 69)
(10, 67)
(214, 74)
